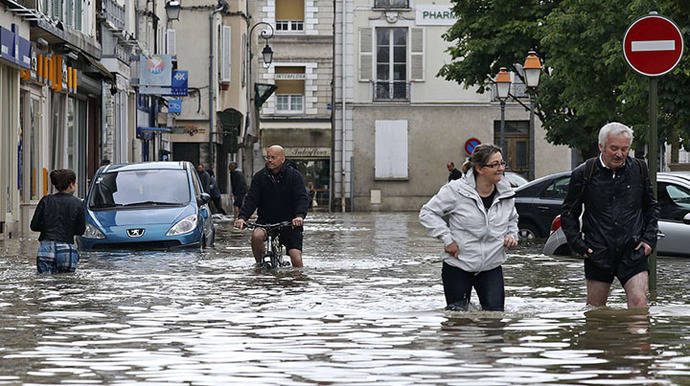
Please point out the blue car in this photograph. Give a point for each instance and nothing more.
(149, 205)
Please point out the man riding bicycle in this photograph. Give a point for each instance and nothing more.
(279, 194)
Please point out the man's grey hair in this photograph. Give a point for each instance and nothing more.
(614, 128)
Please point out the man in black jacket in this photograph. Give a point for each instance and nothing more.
(279, 193)
(454, 172)
(239, 188)
(59, 217)
(619, 225)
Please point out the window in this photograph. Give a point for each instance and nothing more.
(289, 15)
(557, 190)
(390, 150)
(289, 89)
(391, 4)
(391, 64)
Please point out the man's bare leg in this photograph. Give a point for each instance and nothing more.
(295, 257)
(258, 238)
(597, 292)
(636, 290)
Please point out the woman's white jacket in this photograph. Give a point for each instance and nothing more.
(457, 213)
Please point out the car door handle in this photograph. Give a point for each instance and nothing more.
(543, 207)
(660, 235)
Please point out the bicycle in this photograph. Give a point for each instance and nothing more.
(273, 249)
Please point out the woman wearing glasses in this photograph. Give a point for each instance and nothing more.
(476, 220)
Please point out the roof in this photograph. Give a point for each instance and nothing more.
(172, 165)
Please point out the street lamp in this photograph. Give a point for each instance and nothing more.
(502, 90)
(259, 92)
(532, 70)
(172, 9)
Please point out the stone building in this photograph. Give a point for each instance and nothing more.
(397, 124)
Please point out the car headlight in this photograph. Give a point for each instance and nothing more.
(92, 232)
(183, 226)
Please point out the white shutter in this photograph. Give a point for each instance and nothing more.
(365, 55)
(417, 54)
(171, 42)
(225, 54)
(390, 150)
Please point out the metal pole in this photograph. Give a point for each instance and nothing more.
(652, 159)
(211, 83)
(532, 150)
(503, 127)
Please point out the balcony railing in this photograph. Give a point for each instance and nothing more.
(391, 91)
(114, 13)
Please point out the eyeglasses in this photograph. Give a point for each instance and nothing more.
(268, 157)
(495, 165)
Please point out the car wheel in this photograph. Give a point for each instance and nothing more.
(528, 231)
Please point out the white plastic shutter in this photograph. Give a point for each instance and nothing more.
(225, 54)
(390, 150)
(365, 54)
(171, 42)
(417, 54)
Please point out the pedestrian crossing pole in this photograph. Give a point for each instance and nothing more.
(653, 46)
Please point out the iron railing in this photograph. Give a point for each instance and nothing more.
(391, 91)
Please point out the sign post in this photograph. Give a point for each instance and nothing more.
(653, 46)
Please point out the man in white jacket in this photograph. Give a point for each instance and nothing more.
(481, 223)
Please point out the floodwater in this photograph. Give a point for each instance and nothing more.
(366, 308)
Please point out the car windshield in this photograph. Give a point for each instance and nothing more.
(140, 188)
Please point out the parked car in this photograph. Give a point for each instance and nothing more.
(515, 180)
(538, 202)
(674, 218)
(150, 205)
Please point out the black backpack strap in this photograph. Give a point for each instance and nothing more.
(643, 170)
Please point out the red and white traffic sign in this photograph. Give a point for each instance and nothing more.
(653, 45)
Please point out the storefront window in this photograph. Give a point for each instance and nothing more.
(316, 177)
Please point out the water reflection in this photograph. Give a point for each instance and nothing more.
(367, 308)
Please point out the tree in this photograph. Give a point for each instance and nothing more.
(587, 81)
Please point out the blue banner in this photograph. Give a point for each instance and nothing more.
(180, 80)
(7, 45)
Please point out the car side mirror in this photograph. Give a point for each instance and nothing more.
(203, 199)
(686, 219)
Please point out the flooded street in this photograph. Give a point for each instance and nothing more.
(366, 308)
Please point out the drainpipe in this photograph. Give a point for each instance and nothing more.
(211, 87)
(342, 101)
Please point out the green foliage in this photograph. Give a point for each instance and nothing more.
(587, 81)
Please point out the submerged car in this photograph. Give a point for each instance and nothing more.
(674, 219)
(538, 202)
(149, 205)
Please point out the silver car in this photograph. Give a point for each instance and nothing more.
(674, 219)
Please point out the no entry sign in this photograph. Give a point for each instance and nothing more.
(653, 45)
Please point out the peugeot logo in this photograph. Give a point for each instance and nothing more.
(135, 232)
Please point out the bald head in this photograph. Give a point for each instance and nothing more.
(275, 158)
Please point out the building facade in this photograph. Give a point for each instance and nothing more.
(298, 116)
(210, 42)
(397, 124)
(53, 104)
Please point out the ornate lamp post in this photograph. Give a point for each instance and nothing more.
(172, 9)
(502, 90)
(532, 70)
(259, 92)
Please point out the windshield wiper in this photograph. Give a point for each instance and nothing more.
(154, 203)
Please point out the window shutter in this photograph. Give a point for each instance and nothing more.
(365, 55)
(225, 55)
(417, 54)
(390, 150)
(171, 42)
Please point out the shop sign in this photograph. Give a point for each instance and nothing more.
(307, 152)
(175, 106)
(155, 71)
(24, 47)
(7, 47)
(435, 15)
(299, 76)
